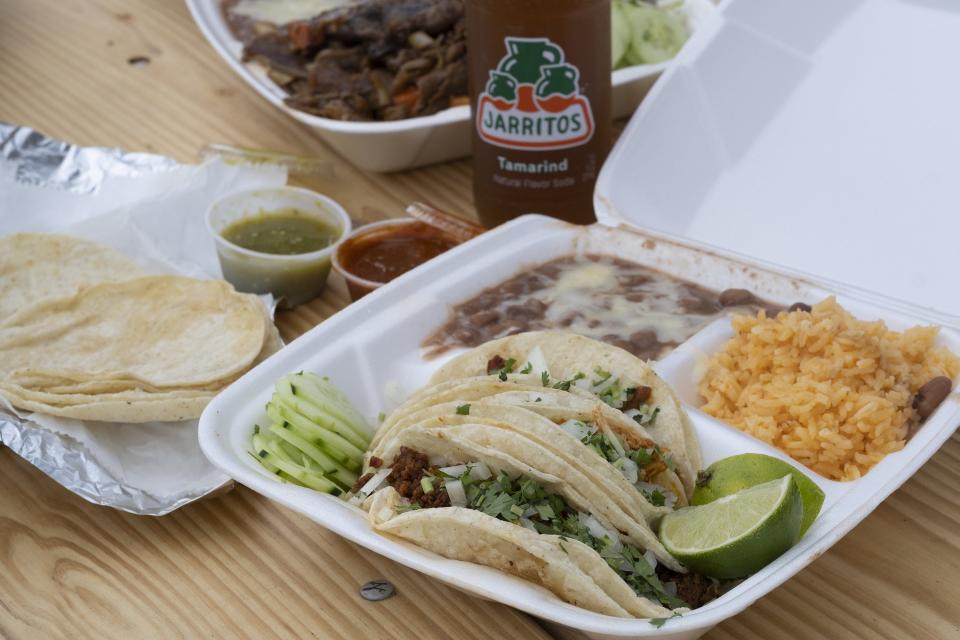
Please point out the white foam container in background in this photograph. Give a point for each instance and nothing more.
(414, 142)
(725, 112)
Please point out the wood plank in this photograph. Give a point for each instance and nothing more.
(240, 566)
(234, 566)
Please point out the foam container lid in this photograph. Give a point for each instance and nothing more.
(819, 135)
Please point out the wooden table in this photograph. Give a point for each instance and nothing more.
(240, 566)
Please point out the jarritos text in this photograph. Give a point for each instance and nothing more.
(532, 100)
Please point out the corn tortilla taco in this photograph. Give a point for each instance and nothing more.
(456, 491)
(621, 458)
(583, 366)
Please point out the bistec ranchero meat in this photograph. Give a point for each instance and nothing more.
(374, 60)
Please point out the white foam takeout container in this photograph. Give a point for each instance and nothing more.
(414, 142)
(730, 94)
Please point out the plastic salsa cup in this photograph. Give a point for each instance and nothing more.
(293, 278)
(379, 252)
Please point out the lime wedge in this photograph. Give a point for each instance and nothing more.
(736, 535)
(736, 473)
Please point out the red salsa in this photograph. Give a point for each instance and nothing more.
(381, 254)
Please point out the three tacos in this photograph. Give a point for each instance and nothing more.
(546, 455)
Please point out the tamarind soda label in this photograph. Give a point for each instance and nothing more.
(532, 99)
(540, 94)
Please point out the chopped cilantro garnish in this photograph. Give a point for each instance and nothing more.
(545, 511)
(426, 483)
(642, 457)
(509, 499)
(545, 378)
(381, 416)
(502, 372)
(645, 415)
(613, 395)
(403, 508)
(528, 368)
(256, 429)
(666, 457)
(565, 384)
(656, 497)
(463, 410)
(659, 622)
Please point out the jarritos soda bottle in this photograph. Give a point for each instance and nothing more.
(540, 90)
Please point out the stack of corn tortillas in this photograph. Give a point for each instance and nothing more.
(85, 334)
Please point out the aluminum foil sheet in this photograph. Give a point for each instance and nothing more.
(44, 162)
(151, 208)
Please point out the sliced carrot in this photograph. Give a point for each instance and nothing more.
(299, 34)
(407, 98)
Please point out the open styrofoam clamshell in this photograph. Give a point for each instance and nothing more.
(373, 348)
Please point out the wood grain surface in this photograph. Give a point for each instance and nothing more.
(240, 566)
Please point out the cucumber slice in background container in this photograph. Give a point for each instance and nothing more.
(656, 33)
(621, 33)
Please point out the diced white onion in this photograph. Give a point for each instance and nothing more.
(632, 413)
(669, 499)
(456, 470)
(371, 485)
(479, 471)
(596, 529)
(529, 512)
(584, 384)
(603, 386)
(458, 496)
(651, 559)
(538, 363)
(670, 588)
(616, 545)
(630, 470)
(576, 428)
(614, 441)
(527, 523)
(648, 486)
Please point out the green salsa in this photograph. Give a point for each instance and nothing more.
(282, 232)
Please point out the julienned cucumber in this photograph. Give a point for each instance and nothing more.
(270, 453)
(332, 444)
(313, 436)
(295, 394)
(337, 405)
(326, 464)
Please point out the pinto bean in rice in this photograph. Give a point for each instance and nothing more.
(833, 392)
